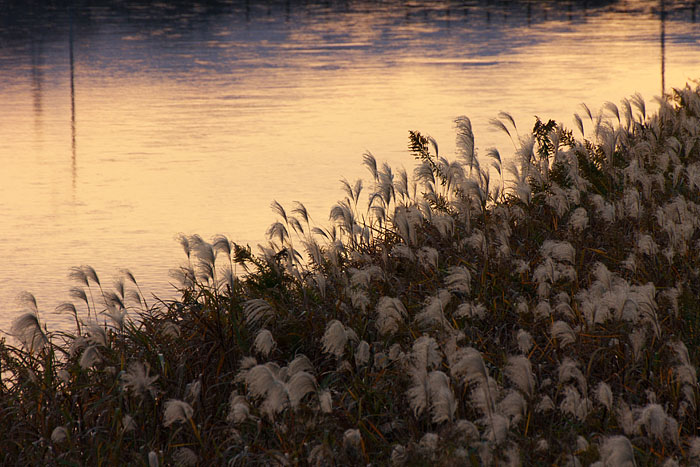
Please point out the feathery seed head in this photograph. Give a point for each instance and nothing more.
(604, 395)
(519, 371)
(352, 439)
(27, 329)
(185, 457)
(335, 338)
(90, 357)
(617, 451)
(264, 342)
(176, 411)
(325, 401)
(137, 380)
(362, 353)
(59, 434)
(127, 424)
(524, 340)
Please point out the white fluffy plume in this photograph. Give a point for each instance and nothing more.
(519, 371)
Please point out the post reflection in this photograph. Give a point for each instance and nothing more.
(72, 103)
(37, 84)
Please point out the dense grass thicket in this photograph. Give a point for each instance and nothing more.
(539, 309)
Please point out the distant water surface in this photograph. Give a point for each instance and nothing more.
(122, 126)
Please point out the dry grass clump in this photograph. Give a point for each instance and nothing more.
(543, 312)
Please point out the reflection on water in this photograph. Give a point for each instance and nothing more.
(125, 124)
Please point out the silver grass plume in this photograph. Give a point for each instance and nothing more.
(137, 379)
(403, 251)
(658, 424)
(127, 424)
(465, 142)
(426, 353)
(694, 449)
(428, 444)
(28, 300)
(434, 312)
(97, 335)
(544, 405)
(91, 274)
(362, 353)
(264, 342)
(399, 456)
(352, 439)
(193, 390)
(579, 219)
(604, 395)
(59, 435)
(325, 401)
(497, 427)
(418, 393)
(442, 401)
(483, 396)
(257, 310)
(560, 251)
(320, 455)
(390, 315)
(153, 459)
(470, 310)
(617, 451)
(524, 340)
(176, 411)
(79, 294)
(299, 385)
(300, 363)
(428, 257)
(459, 279)
(185, 457)
(513, 406)
(519, 371)
(469, 366)
(78, 274)
(569, 371)
(238, 411)
(27, 329)
(563, 333)
(335, 338)
(90, 357)
(574, 403)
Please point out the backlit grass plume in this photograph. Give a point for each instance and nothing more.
(530, 305)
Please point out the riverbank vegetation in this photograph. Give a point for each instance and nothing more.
(536, 307)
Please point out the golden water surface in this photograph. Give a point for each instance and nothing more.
(120, 128)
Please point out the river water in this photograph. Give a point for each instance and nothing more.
(123, 126)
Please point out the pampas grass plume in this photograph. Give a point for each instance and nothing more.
(604, 395)
(185, 457)
(390, 314)
(59, 434)
(524, 340)
(137, 379)
(264, 342)
(335, 338)
(519, 371)
(362, 353)
(352, 439)
(90, 357)
(617, 451)
(176, 411)
(325, 401)
(563, 333)
(27, 329)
